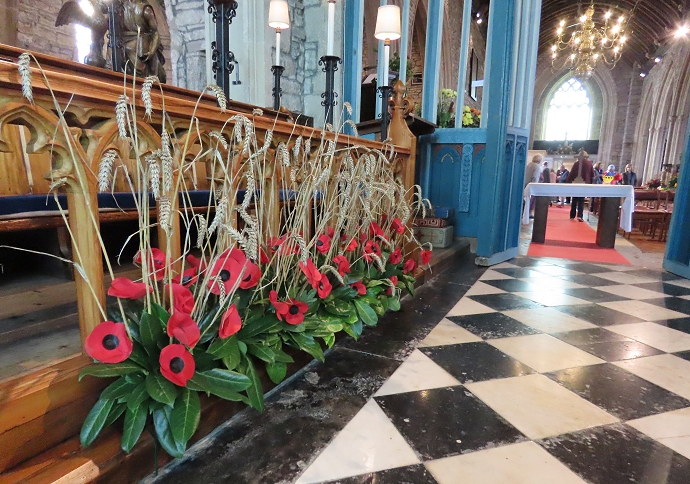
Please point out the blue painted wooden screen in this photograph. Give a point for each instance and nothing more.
(678, 244)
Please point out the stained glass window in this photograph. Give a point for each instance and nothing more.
(569, 115)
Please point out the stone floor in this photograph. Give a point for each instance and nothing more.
(534, 371)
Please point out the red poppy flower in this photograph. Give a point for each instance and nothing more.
(182, 327)
(395, 257)
(156, 262)
(343, 264)
(330, 231)
(291, 310)
(182, 298)
(384, 218)
(425, 255)
(352, 246)
(361, 289)
(397, 226)
(250, 276)
(195, 263)
(227, 269)
(362, 236)
(409, 266)
(371, 247)
(231, 322)
(323, 243)
(188, 277)
(324, 287)
(274, 242)
(376, 231)
(278, 244)
(263, 257)
(126, 289)
(177, 364)
(109, 343)
(312, 273)
(394, 281)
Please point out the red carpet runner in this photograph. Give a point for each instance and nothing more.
(570, 239)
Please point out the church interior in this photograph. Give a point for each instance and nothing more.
(345, 241)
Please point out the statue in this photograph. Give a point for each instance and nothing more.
(138, 45)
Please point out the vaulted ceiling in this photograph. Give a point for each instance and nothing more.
(651, 26)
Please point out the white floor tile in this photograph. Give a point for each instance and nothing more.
(631, 292)
(544, 353)
(418, 372)
(622, 278)
(468, 306)
(549, 320)
(505, 265)
(553, 283)
(368, 443)
(685, 297)
(667, 371)
(524, 463)
(680, 282)
(539, 407)
(671, 429)
(448, 333)
(618, 267)
(480, 289)
(644, 310)
(491, 275)
(556, 271)
(548, 298)
(655, 335)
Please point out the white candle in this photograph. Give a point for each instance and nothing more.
(277, 47)
(386, 61)
(331, 27)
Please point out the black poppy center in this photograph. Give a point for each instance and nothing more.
(177, 365)
(110, 342)
(294, 309)
(374, 248)
(319, 243)
(186, 280)
(247, 278)
(224, 275)
(320, 284)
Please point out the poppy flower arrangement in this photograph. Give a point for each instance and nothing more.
(206, 322)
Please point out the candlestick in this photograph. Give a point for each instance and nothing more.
(277, 47)
(387, 29)
(386, 61)
(331, 27)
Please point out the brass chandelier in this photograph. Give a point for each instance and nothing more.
(589, 44)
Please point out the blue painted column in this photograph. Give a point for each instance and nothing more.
(432, 60)
(352, 57)
(464, 59)
(405, 40)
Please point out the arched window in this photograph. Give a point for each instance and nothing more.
(569, 115)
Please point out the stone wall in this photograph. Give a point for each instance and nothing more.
(187, 42)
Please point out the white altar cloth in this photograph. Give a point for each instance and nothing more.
(583, 190)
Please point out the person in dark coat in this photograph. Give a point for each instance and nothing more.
(563, 173)
(546, 173)
(629, 176)
(582, 172)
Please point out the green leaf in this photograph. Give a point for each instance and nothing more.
(117, 389)
(95, 421)
(165, 437)
(357, 328)
(160, 313)
(135, 420)
(137, 396)
(329, 340)
(151, 331)
(140, 357)
(254, 392)
(216, 381)
(259, 326)
(110, 370)
(200, 383)
(276, 371)
(115, 412)
(394, 304)
(185, 415)
(282, 357)
(348, 329)
(225, 348)
(308, 344)
(410, 288)
(161, 389)
(232, 362)
(384, 303)
(262, 352)
(204, 361)
(338, 307)
(365, 312)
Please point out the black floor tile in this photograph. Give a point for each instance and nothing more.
(673, 303)
(493, 325)
(594, 295)
(652, 274)
(528, 262)
(589, 280)
(520, 272)
(599, 315)
(504, 302)
(680, 324)
(471, 362)
(617, 391)
(401, 475)
(683, 354)
(665, 288)
(589, 336)
(587, 268)
(447, 421)
(618, 454)
(620, 350)
(512, 285)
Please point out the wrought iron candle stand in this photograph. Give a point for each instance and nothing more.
(277, 73)
(385, 93)
(222, 12)
(330, 66)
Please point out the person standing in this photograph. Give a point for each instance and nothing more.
(582, 172)
(629, 176)
(532, 172)
(563, 178)
(546, 173)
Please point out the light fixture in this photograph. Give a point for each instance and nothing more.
(643, 74)
(682, 31)
(590, 43)
(657, 60)
(279, 19)
(388, 28)
(479, 21)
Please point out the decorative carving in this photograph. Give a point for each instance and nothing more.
(465, 177)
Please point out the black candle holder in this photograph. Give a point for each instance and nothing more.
(277, 73)
(385, 93)
(222, 13)
(330, 65)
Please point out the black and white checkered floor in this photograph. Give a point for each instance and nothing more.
(544, 372)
